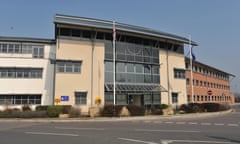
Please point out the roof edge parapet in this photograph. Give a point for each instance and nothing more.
(106, 24)
(27, 39)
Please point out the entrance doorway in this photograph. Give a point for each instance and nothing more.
(136, 99)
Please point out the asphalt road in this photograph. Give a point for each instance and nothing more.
(222, 129)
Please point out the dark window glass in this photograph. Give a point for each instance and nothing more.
(65, 32)
(80, 98)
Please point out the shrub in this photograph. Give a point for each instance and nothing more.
(24, 114)
(110, 110)
(26, 108)
(156, 112)
(75, 112)
(41, 108)
(136, 110)
(164, 106)
(54, 111)
(192, 108)
(66, 109)
(33, 114)
(214, 107)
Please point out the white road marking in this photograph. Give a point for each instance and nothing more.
(157, 122)
(195, 141)
(192, 123)
(137, 141)
(55, 134)
(169, 122)
(205, 123)
(180, 122)
(219, 124)
(233, 125)
(152, 130)
(72, 128)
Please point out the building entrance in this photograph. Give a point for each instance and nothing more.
(136, 99)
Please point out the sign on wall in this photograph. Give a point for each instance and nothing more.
(64, 98)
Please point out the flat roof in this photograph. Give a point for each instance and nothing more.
(104, 24)
(25, 39)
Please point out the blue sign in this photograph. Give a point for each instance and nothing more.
(64, 98)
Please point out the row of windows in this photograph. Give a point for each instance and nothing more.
(209, 98)
(87, 34)
(19, 99)
(208, 84)
(132, 53)
(21, 72)
(208, 72)
(123, 99)
(68, 66)
(132, 73)
(179, 73)
(37, 51)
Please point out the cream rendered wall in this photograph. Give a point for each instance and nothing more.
(66, 84)
(175, 60)
(42, 86)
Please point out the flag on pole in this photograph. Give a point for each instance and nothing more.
(192, 54)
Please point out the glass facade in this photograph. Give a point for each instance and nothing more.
(137, 72)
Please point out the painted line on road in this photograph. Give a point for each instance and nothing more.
(192, 123)
(72, 128)
(219, 124)
(157, 122)
(195, 141)
(168, 122)
(54, 134)
(152, 130)
(137, 141)
(180, 122)
(233, 125)
(206, 124)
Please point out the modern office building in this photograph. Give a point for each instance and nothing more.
(209, 84)
(26, 71)
(146, 62)
(81, 63)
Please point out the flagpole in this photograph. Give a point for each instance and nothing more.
(114, 83)
(190, 47)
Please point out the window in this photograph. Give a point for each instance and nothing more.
(187, 81)
(38, 52)
(21, 72)
(156, 98)
(121, 99)
(20, 99)
(80, 98)
(179, 73)
(68, 66)
(174, 97)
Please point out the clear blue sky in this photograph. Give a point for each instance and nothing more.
(214, 24)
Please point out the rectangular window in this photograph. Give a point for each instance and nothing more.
(38, 52)
(174, 97)
(20, 99)
(80, 98)
(179, 73)
(156, 98)
(68, 66)
(121, 99)
(21, 72)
